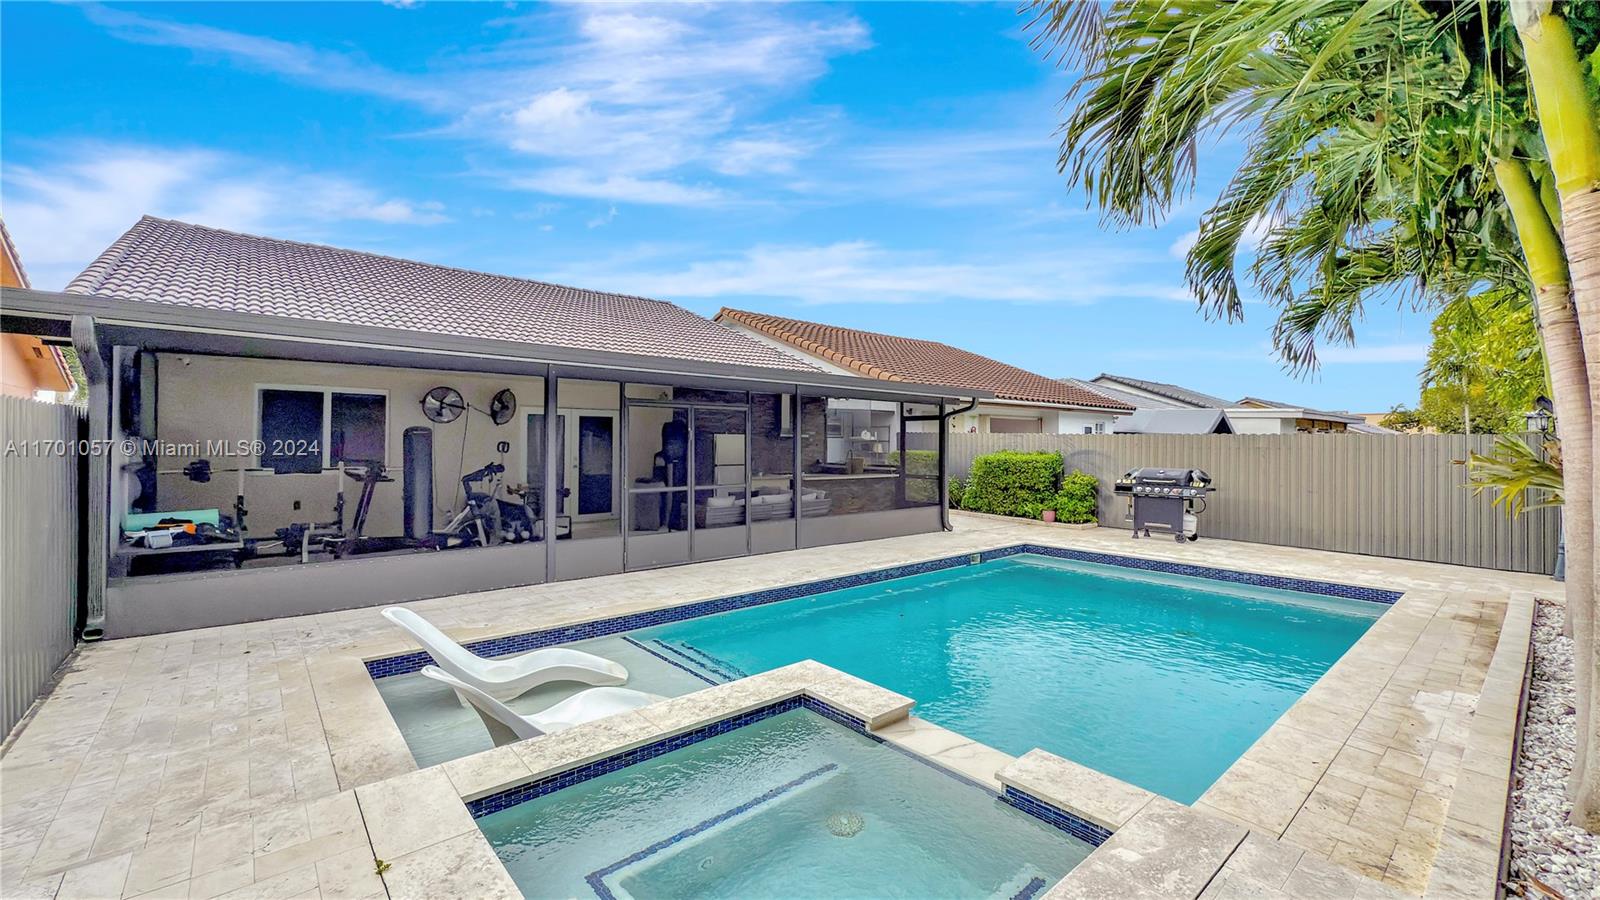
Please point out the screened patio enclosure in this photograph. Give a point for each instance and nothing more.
(615, 462)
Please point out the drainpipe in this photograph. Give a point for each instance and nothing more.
(98, 507)
(943, 418)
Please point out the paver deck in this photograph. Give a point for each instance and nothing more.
(226, 761)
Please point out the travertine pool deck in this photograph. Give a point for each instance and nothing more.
(258, 760)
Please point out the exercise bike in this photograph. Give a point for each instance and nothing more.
(478, 522)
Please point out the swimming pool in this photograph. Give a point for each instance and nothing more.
(1160, 680)
(790, 806)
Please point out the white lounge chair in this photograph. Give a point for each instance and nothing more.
(509, 677)
(506, 725)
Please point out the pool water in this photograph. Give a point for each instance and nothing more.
(793, 806)
(1160, 680)
(438, 728)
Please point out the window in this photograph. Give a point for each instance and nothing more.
(1088, 429)
(1099, 428)
(852, 461)
(291, 431)
(357, 430)
(304, 430)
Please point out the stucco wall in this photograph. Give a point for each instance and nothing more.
(202, 398)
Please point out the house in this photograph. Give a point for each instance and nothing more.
(29, 367)
(296, 428)
(1176, 421)
(1250, 415)
(1022, 402)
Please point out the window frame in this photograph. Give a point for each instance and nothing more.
(327, 392)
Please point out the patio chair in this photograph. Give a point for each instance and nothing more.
(506, 725)
(506, 678)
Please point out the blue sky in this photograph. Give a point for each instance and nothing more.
(884, 166)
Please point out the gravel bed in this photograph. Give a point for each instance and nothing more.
(1545, 850)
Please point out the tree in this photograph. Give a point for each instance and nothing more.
(1484, 368)
(1571, 130)
(1397, 150)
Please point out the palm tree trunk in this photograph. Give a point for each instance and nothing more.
(1570, 383)
(1581, 222)
(1572, 138)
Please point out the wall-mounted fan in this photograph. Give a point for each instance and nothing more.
(503, 406)
(443, 404)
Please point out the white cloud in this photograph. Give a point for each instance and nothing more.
(579, 182)
(1180, 248)
(63, 215)
(757, 156)
(595, 99)
(333, 69)
(1390, 353)
(864, 272)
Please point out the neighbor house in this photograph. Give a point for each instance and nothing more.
(29, 367)
(296, 428)
(1251, 415)
(1022, 402)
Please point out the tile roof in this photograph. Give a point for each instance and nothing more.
(10, 250)
(1171, 391)
(891, 358)
(179, 264)
(1136, 401)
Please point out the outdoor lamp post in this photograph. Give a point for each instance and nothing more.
(1538, 420)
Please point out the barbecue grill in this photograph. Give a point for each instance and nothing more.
(1168, 500)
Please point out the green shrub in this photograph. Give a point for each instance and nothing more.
(1075, 502)
(918, 462)
(956, 489)
(1012, 483)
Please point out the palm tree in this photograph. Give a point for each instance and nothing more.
(1571, 130)
(1394, 153)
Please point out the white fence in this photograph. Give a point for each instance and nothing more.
(40, 521)
(1400, 496)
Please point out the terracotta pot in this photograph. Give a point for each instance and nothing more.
(1049, 515)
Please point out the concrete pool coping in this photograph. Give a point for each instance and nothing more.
(450, 861)
(1263, 791)
(221, 746)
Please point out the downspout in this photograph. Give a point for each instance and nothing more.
(98, 506)
(943, 418)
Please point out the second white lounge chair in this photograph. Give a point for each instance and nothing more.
(506, 678)
(506, 725)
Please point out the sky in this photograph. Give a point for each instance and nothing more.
(883, 166)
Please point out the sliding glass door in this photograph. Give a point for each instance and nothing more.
(688, 482)
(721, 483)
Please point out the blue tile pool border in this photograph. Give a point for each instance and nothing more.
(566, 634)
(1073, 825)
(522, 793)
(597, 879)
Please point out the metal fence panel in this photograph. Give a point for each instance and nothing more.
(1401, 496)
(39, 549)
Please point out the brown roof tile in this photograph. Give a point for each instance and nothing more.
(176, 263)
(891, 358)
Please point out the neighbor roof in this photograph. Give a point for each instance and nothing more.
(179, 264)
(1310, 413)
(891, 358)
(1171, 391)
(1174, 421)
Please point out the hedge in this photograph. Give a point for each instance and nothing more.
(1075, 502)
(1012, 483)
(918, 462)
